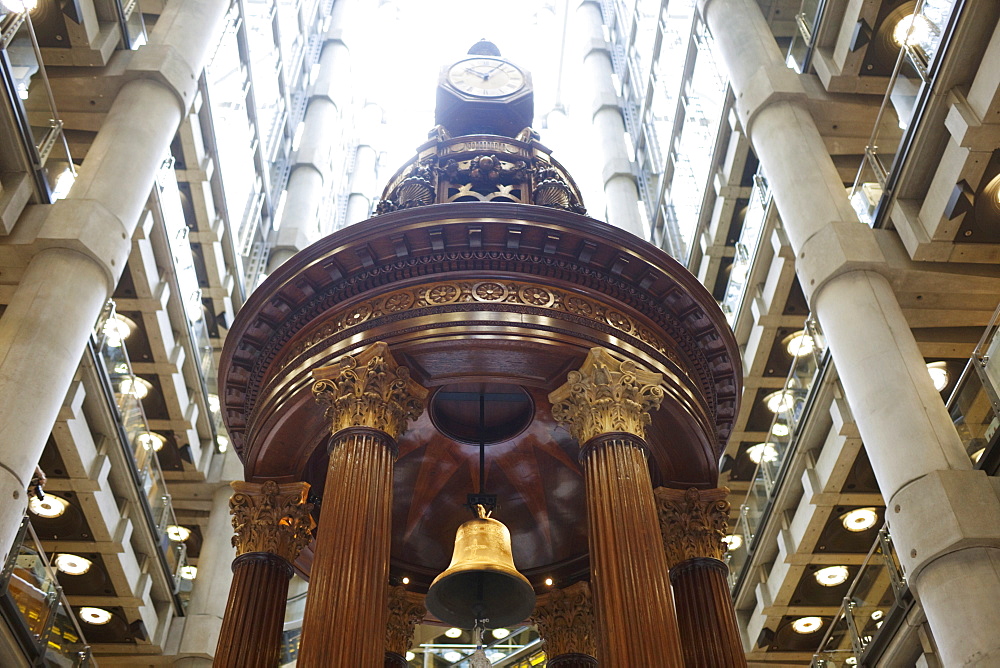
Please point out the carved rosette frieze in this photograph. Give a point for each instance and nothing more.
(693, 523)
(405, 612)
(607, 395)
(369, 390)
(271, 517)
(565, 620)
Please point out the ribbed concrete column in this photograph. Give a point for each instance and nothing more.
(272, 524)
(310, 177)
(942, 515)
(369, 399)
(693, 523)
(85, 241)
(606, 405)
(565, 621)
(621, 192)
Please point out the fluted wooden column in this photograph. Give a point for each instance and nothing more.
(565, 620)
(272, 525)
(368, 399)
(693, 523)
(405, 612)
(606, 405)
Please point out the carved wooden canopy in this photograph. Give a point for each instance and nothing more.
(496, 297)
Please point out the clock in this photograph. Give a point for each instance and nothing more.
(486, 77)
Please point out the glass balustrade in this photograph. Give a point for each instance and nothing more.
(751, 234)
(33, 597)
(128, 390)
(789, 405)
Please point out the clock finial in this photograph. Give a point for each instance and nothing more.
(484, 47)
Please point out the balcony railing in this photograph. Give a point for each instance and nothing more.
(36, 609)
(790, 408)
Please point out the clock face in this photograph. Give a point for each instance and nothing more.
(486, 77)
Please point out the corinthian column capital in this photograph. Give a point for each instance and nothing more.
(273, 518)
(369, 390)
(405, 612)
(565, 620)
(607, 395)
(692, 522)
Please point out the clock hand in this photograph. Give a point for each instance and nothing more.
(478, 73)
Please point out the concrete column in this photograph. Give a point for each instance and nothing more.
(203, 618)
(620, 190)
(310, 176)
(944, 518)
(359, 203)
(85, 240)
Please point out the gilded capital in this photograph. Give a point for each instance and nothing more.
(607, 395)
(692, 522)
(565, 620)
(406, 610)
(369, 390)
(273, 518)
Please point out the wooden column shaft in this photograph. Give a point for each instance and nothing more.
(572, 661)
(250, 636)
(346, 612)
(633, 600)
(706, 616)
(393, 660)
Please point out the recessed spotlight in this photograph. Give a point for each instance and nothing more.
(805, 625)
(859, 519)
(500, 634)
(189, 572)
(213, 403)
(762, 451)
(116, 329)
(405, 580)
(48, 506)
(410, 656)
(780, 429)
(939, 374)
(452, 656)
(177, 533)
(71, 564)
(733, 542)
(831, 576)
(95, 616)
(222, 442)
(799, 343)
(453, 632)
(877, 615)
(850, 661)
(912, 29)
(150, 440)
(548, 582)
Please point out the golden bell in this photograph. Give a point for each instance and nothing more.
(481, 584)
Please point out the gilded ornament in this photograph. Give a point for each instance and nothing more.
(369, 390)
(692, 522)
(405, 612)
(273, 518)
(565, 620)
(607, 395)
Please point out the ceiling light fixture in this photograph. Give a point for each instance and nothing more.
(151, 440)
(939, 374)
(501, 633)
(189, 572)
(95, 616)
(116, 329)
(781, 401)
(780, 429)
(762, 452)
(135, 386)
(914, 29)
(799, 343)
(805, 625)
(177, 533)
(72, 564)
(733, 542)
(453, 632)
(410, 656)
(877, 615)
(452, 656)
(831, 576)
(859, 519)
(48, 506)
